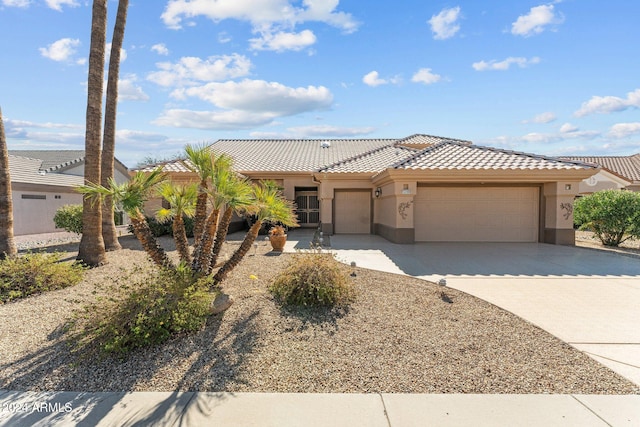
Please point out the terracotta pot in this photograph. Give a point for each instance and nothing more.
(277, 242)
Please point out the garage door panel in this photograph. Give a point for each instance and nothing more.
(352, 212)
(494, 214)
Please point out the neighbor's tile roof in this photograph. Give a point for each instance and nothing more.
(293, 155)
(178, 165)
(627, 167)
(450, 155)
(423, 140)
(372, 161)
(28, 171)
(55, 160)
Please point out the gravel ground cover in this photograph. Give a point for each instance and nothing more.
(400, 336)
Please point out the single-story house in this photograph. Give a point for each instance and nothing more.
(43, 181)
(618, 172)
(421, 188)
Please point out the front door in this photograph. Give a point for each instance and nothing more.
(308, 208)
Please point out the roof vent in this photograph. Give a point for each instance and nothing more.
(42, 172)
(325, 144)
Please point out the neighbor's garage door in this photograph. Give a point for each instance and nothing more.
(352, 210)
(475, 214)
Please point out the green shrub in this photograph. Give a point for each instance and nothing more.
(34, 273)
(613, 215)
(166, 228)
(147, 311)
(69, 218)
(313, 279)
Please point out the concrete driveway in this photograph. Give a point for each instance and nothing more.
(587, 298)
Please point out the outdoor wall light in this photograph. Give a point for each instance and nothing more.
(378, 192)
(567, 186)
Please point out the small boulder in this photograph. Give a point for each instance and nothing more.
(221, 303)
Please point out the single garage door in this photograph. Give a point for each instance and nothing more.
(476, 214)
(352, 210)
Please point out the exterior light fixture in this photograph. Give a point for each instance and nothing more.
(567, 186)
(378, 192)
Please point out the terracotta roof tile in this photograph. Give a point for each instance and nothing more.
(455, 155)
(627, 167)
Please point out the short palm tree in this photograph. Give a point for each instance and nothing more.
(130, 196)
(182, 202)
(269, 205)
(201, 162)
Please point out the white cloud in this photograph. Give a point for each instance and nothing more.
(16, 3)
(60, 50)
(424, 75)
(261, 13)
(445, 24)
(546, 117)
(107, 54)
(245, 104)
(128, 90)
(568, 128)
(535, 21)
(224, 37)
(282, 41)
(609, 104)
(160, 49)
(505, 64)
(57, 4)
(190, 70)
(328, 131)
(623, 130)
(373, 79)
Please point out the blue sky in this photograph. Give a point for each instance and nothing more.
(555, 78)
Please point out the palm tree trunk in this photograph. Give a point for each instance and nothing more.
(180, 237)
(221, 236)
(7, 245)
(201, 211)
(202, 252)
(109, 233)
(237, 256)
(91, 251)
(149, 243)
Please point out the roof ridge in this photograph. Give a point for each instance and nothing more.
(418, 154)
(532, 155)
(64, 164)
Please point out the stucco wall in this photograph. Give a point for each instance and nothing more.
(32, 216)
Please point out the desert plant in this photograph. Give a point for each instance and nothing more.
(144, 311)
(613, 215)
(34, 273)
(69, 218)
(313, 279)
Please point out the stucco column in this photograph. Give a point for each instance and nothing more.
(394, 218)
(558, 212)
(326, 214)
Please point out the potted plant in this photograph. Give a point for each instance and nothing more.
(277, 237)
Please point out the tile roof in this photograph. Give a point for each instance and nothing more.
(294, 155)
(426, 140)
(178, 165)
(28, 171)
(55, 160)
(372, 161)
(627, 167)
(451, 155)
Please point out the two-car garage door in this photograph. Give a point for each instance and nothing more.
(476, 214)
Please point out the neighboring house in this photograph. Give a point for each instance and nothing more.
(42, 181)
(617, 172)
(417, 189)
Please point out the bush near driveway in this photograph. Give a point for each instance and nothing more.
(69, 218)
(613, 215)
(34, 273)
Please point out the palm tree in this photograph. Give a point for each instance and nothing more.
(109, 233)
(92, 251)
(236, 195)
(7, 245)
(269, 206)
(130, 196)
(201, 163)
(182, 199)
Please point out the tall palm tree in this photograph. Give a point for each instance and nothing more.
(182, 200)
(109, 233)
(130, 196)
(7, 245)
(269, 206)
(92, 251)
(201, 163)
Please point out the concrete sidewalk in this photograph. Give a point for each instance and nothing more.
(314, 410)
